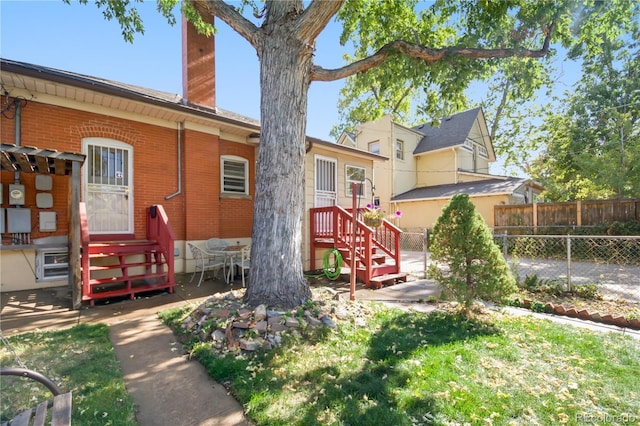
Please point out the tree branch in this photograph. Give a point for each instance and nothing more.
(230, 16)
(316, 17)
(429, 55)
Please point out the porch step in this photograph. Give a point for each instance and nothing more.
(114, 261)
(121, 265)
(119, 288)
(388, 279)
(111, 248)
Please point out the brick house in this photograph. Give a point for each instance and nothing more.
(138, 148)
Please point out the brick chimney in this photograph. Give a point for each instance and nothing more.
(198, 66)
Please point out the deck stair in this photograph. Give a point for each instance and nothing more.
(377, 250)
(128, 267)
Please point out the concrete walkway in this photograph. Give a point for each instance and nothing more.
(167, 388)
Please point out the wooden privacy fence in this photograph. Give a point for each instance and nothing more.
(571, 213)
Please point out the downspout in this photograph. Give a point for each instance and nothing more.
(455, 165)
(18, 105)
(179, 156)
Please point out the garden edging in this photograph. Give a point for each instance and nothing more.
(583, 314)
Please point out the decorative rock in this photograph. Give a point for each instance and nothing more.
(274, 339)
(292, 322)
(244, 313)
(202, 320)
(313, 322)
(277, 327)
(341, 313)
(218, 336)
(220, 313)
(261, 327)
(250, 344)
(328, 322)
(203, 309)
(260, 313)
(241, 324)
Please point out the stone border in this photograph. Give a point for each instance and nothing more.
(583, 314)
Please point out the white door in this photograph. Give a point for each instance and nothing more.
(108, 186)
(326, 181)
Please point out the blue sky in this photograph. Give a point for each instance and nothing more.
(77, 38)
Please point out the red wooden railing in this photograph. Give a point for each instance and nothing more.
(85, 239)
(159, 230)
(333, 227)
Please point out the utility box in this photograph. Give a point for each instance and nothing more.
(48, 221)
(18, 221)
(16, 194)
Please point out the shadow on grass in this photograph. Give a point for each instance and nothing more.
(363, 385)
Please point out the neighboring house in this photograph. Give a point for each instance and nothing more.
(137, 148)
(428, 165)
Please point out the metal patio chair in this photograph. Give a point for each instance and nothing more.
(243, 262)
(206, 261)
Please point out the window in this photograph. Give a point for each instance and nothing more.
(399, 149)
(234, 175)
(354, 175)
(52, 265)
(374, 147)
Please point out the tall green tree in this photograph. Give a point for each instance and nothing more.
(447, 42)
(511, 102)
(467, 262)
(591, 147)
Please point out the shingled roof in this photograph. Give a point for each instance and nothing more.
(507, 185)
(124, 90)
(452, 131)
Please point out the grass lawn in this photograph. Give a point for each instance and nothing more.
(80, 359)
(406, 368)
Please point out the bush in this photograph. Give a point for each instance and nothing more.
(475, 267)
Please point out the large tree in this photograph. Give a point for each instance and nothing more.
(592, 144)
(284, 39)
(511, 100)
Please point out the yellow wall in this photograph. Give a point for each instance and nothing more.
(437, 168)
(424, 214)
(18, 271)
(344, 200)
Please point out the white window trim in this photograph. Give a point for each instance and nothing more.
(369, 146)
(348, 181)
(110, 143)
(237, 159)
(42, 267)
(401, 142)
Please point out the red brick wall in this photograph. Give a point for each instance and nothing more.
(197, 213)
(198, 66)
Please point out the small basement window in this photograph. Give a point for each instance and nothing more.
(52, 264)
